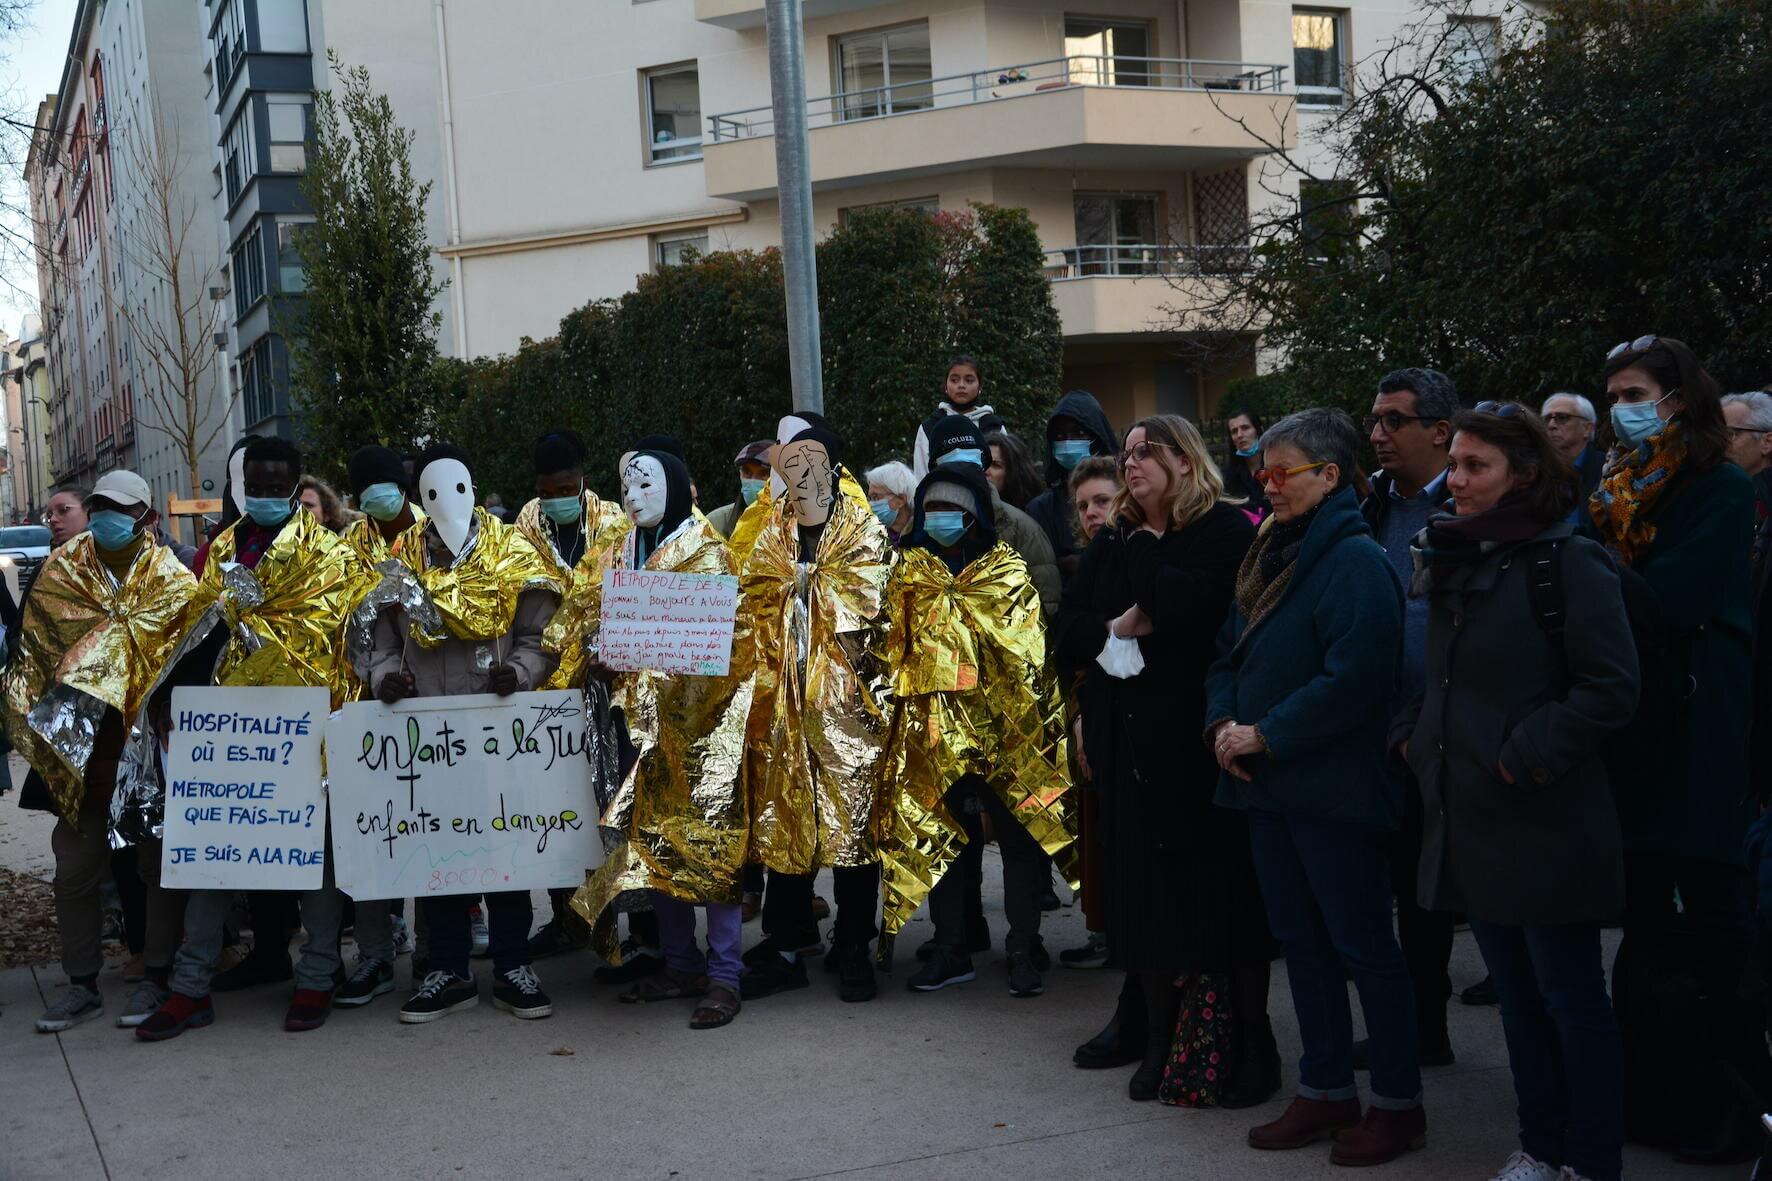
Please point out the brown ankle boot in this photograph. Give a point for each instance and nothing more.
(1382, 1137)
(1307, 1121)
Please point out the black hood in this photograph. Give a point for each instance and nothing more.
(678, 504)
(971, 477)
(1080, 407)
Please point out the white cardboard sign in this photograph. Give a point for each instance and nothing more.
(461, 795)
(244, 805)
(665, 622)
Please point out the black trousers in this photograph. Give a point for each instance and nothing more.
(956, 897)
(1424, 935)
(787, 906)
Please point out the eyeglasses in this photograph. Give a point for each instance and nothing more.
(1498, 409)
(1142, 451)
(1562, 417)
(1640, 344)
(1277, 476)
(1735, 432)
(1392, 421)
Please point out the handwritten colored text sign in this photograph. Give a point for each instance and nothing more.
(658, 621)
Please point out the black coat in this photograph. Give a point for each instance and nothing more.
(1184, 893)
(1546, 848)
(1052, 508)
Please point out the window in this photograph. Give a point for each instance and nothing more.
(258, 385)
(1318, 46)
(238, 165)
(282, 26)
(1116, 233)
(291, 275)
(1325, 217)
(1109, 52)
(671, 252)
(288, 119)
(885, 72)
(1472, 44)
(230, 42)
(926, 205)
(249, 271)
(673, 114)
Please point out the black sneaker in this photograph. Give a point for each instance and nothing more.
(441, 994)
(978, 940)
(637, 960)
(855, 972)
(1481, 993)
(552, 940)
(1041, 957)
(518, 992)
(254, 970)
(945, 968)
(770, 974)
(1093, 954)
(1024, 975)
(371, 979)
(1049, 896)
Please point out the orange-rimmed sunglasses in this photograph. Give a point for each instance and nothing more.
(1277, 476)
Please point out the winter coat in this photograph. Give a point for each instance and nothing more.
(1020, 533)
(1051, 510)
(1544, 849)
(921, 460)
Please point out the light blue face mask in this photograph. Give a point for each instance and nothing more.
(971, 455)
(945, 526)
(111, 530)
(748, 490)
(884, 511)
(563, 510)
(382, 501)
(1071, 452)
(1251, 451)
(1633, 422)
(269, 511)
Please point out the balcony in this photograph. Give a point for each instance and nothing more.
(1084, 112)
(748, 14)
(1127, 291)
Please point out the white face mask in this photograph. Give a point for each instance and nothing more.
(643, 490)
(806, 466)
(446, 491)
(786, 429)
(237, 478)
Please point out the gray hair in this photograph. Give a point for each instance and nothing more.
(895, 477)
(1759, 408)
(1436, 398)
(1321, 436)
(1583, 407)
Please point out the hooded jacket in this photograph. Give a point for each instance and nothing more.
(983, 534)
(1051, 510)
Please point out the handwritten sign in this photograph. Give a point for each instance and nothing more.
(657, 621)
(461, 795)
(244, 805)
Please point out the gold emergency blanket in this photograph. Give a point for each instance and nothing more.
(680, 807)
(88, 642)
(286, 616)
(973, 695)
(605, 525)
(476, 598)
(751, 523)
(364, 537)
(818, 714)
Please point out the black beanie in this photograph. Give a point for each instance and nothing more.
(375, 465)
(559, 451)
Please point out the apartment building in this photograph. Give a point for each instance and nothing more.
(28, 394)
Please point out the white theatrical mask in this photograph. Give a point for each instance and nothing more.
(446, 491)
(786, 429)
(644, 490)
(237, 478)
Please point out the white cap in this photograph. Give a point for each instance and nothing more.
(122, 488)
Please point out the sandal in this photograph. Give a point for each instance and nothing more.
(719, 1007)
(665, 986)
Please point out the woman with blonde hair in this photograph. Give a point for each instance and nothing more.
(1137, 633)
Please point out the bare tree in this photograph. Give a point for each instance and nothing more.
(175, 342)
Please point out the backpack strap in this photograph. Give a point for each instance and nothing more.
(1550, 608)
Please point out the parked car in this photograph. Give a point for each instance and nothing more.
(22, 550)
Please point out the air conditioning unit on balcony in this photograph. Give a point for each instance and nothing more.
(221, 341)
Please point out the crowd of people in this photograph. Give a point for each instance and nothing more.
(1259, 707)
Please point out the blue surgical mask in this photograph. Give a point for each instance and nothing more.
(748, 490)
(945, 526)
(884, 511)
(269, 511)
(1071, 452)
(563, 510)
(111, 530)
(971, 455)
(1633, 422)
(1250, 452)
(382, 501)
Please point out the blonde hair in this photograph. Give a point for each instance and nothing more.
(1191, 494)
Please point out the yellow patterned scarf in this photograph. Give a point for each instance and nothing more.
(1632, 486)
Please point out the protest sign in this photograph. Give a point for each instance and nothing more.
(244, 806)
(462, 795)
(664, 622)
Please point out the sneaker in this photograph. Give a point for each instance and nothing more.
(1024, 976)
(637, 960)
(1481, 993)
(1093, 953)
(147, 997)
(481, 946)
(254, 970)
(772, 973)
(175, 1015)
(945, 968)
(978, 939)
(232, 956)
(821, 910)
(518, 992)
(71, 1006)
(1523, 1166)
(554, 938)
(441, 994)
(855, 973)
(307, 1010)
(402, 937)
(372, 978)
(1042, 957)
(135, 970)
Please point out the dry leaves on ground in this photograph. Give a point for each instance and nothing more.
(27, 921)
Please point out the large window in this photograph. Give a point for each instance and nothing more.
(292, 276)
(674, 251)
(238, 164)
(230, 42)
(1116, 233)
(885, 72)
(1103, 53)
(928, 206)
(1319, 46)
(282, 26)
(1326, 217)
(1472, 43)
(261, 373)
(249, 271)
(673, 114)
(289, 119)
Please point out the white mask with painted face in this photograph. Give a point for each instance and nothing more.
(644, 490)
(237, 478)
(446, 491)
(786, 429)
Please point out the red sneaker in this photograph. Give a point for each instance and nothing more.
(1306, 1121)
(178, 1014)
(1382, 1137)
(307, 1010)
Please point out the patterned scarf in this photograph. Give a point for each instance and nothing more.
(1633, 484)
(1267, 567)
(1451, 546)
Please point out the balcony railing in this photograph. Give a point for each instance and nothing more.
(1135, 261)
(1142, 73)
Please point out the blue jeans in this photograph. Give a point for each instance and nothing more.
(508, 916)
(1327, 888)
(1562, 1042)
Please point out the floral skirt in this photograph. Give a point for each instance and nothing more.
(1204, 1049)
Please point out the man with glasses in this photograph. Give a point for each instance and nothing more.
(1410, 429)
(1570, 421)
(1750, 433)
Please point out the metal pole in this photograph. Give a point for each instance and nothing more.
(793, 178)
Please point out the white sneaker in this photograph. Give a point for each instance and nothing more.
(1523, 1166)
(143, 1001)
(402, 937)
(71, 1006)
(482, 938)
